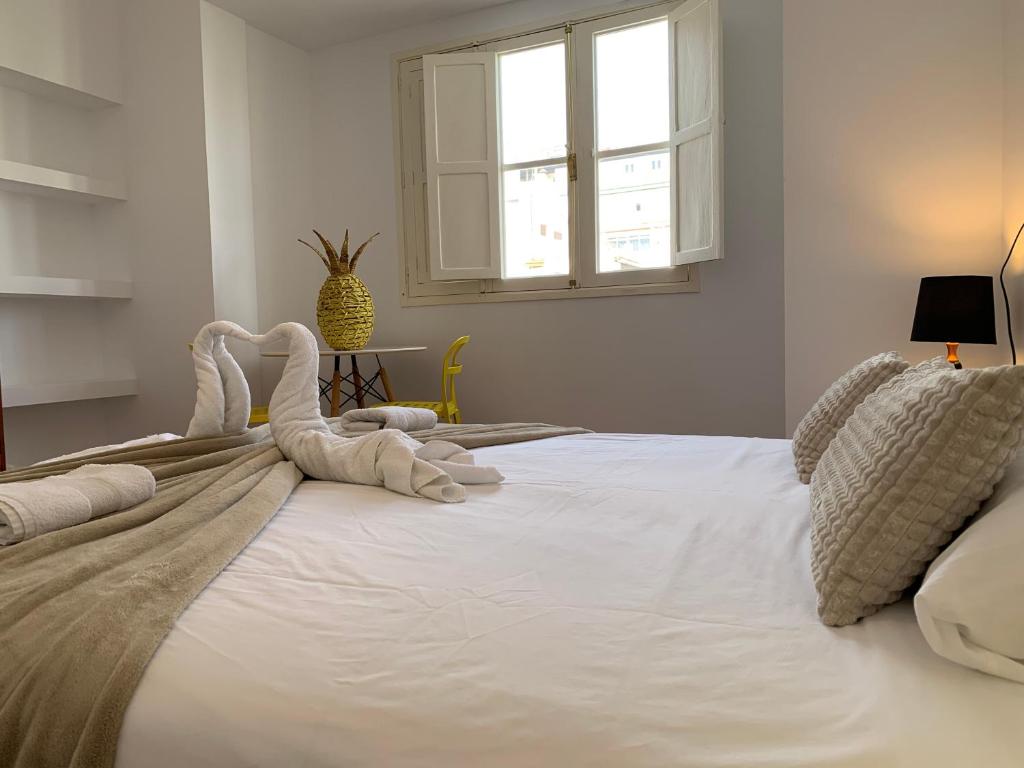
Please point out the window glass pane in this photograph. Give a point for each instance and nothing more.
(536, 224)
(632, 86)
(533, 104)
(633, 211)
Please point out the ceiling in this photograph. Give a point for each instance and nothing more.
(313, 24)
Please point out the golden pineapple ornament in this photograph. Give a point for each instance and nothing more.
(344, 309)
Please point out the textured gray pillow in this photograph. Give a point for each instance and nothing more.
(917, 372)
(816, 430)
(907, 469)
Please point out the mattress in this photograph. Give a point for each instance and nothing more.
(622, 600)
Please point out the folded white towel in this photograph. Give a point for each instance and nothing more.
(388, 417)
(36, 507)
(39, 506)
(387, 457)
(111, 487)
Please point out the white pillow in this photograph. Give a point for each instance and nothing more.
(971, 604)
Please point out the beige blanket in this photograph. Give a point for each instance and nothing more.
(82, 610)
(479, 435)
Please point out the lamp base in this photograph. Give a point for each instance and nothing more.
(951, 356)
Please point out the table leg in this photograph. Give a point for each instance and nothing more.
(385, 381)
(3, 449)
(336, 387)
(357, 382)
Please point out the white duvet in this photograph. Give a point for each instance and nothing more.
(622, 600)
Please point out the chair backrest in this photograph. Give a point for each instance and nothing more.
(449, 370)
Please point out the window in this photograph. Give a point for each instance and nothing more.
(533, 139)
(575, 161)
(631, 67)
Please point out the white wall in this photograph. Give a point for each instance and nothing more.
(76, 43)
(698, 363)
(185, 236)
(229, 173)
(148, 54)
(182, 227)
(1013, 157)
(73, 42)
(281, 110)
(164, 228)
(893, 169)
(199, 239)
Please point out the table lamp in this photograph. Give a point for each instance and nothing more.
(955, 309)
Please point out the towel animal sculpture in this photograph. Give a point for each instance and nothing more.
(388, 457)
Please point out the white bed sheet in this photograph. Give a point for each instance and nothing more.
(621, 600)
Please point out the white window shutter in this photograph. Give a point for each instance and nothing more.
(695, 59)
(463, 165)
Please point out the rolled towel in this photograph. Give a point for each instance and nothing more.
(36, 507)
(112, 487)
(39, 506)
(388, 417)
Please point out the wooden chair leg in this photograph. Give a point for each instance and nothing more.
(336, 388)
(336, 394)
(357, 382)
(386, 381)
(3, 447)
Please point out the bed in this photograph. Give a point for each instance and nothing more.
(621, 600)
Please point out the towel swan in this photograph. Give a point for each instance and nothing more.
(222, 395)
(387, 458)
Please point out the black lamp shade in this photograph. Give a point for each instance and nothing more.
(957, 308)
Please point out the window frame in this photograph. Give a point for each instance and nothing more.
(590, 274)
(546, 282)
(584, 279)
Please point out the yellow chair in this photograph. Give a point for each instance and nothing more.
(447, 408)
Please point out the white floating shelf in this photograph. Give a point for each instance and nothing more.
(56, 391)
(34, 285)
(37, 180)
(49, 89)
